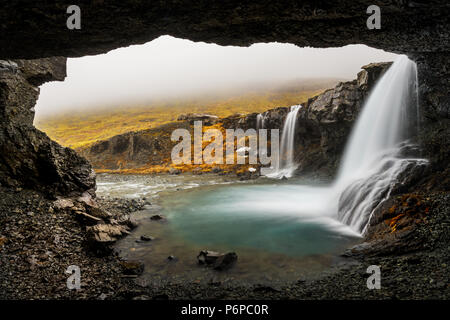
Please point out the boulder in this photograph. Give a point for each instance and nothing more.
(132, 267)
(225, 261)
(63, 204)
(157, 217)
(218, 261)
(106, 233)
(147, 238)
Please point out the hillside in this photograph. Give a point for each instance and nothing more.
(85, 127)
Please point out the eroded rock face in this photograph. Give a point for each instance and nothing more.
(39, 29)
(28, 158)
(324, 122)
(134, 149)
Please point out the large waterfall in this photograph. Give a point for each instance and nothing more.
(375, 153)
(286, 165)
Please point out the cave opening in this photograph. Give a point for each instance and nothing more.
(118, 110)
(54, 186)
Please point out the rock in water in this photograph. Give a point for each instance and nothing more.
(219, 261)
(208, 257)
(132, 267)
(157, 217)
(147, 238)
(225, 261)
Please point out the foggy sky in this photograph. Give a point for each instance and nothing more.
(171, 67)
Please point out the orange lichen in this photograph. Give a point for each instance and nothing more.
(2, 241)
(407, 209)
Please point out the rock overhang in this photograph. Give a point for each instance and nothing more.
(38, 30)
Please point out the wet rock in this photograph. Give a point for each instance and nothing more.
(225, 261)
(132, 267)
(208, 257)
(147, 238)
(370, 74)
(219, 261)
(157, 217)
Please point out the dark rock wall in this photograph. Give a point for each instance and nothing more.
(434, 97)
(28, 158)
(134, 149)
(38, 29)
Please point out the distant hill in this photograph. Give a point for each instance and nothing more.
(85, 127)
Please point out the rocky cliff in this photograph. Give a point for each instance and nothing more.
(134, 150)
(28, 158)
(323, 123)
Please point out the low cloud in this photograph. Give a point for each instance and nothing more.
(173, 68)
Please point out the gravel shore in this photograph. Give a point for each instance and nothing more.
(38, 242)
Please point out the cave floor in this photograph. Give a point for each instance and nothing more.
(37, 244)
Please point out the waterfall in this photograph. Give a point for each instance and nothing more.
(375, 154)
(286, 165)
(379, 156)
(259, 121)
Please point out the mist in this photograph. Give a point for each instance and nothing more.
(169, 68)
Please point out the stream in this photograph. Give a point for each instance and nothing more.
(212, 212)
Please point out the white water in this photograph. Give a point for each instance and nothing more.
(260, 121)
(286, 165)
(374, 155)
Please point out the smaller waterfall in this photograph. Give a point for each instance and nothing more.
(260, 121)
(287, 166)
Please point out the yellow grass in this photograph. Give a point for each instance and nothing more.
(80, 129)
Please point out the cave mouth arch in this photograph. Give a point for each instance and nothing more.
(168, 68)
(30, 160)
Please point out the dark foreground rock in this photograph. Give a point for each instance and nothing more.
(40, 239)
(28, 158)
